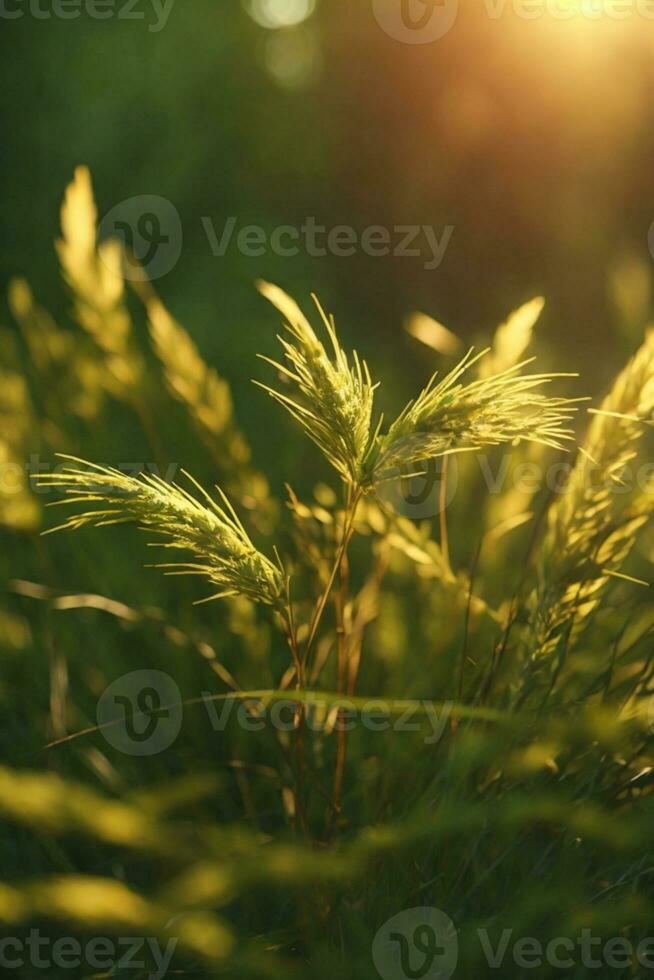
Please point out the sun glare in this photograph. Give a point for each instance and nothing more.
(595, 9)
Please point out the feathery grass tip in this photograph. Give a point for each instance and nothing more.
(210, 532)
(336, 403)
(450, 416)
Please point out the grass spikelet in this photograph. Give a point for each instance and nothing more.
(433, 334)
(207, 399)
(512, 338)
(95, 277)
(450, 416)
(591, 527)
(199, 387)
(19, 509)
(211, 532)
(336, 403)
(71, 374)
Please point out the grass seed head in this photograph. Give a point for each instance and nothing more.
(451, 416)
(336, 398)
(212, 533)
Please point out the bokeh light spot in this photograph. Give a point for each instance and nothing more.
(293, 57)
(275, 14)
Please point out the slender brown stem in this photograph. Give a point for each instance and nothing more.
(353, 499)
(340, 603)
(442, 505)
(301, 661)
(466, 621)
(288, 625)
(299, 792)
(358, 628)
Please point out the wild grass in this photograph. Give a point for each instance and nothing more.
(212, 533)
(499, 647)
(592, 527)
(336, 409)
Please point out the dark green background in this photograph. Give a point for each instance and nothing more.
(533, 139)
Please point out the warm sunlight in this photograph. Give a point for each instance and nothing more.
(327, 490)
(596, 9)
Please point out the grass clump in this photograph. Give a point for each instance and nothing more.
(445, 705)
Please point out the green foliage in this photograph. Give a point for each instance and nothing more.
(509, 781)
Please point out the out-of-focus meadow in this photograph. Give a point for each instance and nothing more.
(498, 616)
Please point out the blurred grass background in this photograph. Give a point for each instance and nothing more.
(534, 140)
